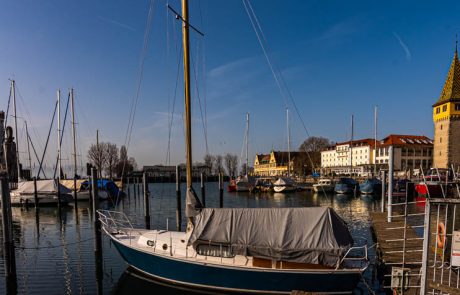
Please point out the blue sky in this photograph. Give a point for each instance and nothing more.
(338, 58)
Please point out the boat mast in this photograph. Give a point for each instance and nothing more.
(288, 143)
(351, 147)
(375, 141)
(73, 135)
(59, 133)
(247, 143)
(188, 127)
(28, 148)
(13, 87)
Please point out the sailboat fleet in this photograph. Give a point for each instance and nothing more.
(250, 250)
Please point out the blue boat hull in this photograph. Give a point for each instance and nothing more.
(227, 278)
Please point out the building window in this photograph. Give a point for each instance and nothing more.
(438, 110)
(444, 108)
(457, 106)
(440, 126)
(440, 139)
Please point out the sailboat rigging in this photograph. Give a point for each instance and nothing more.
(251, 250)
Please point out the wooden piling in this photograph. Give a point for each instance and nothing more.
(35, 194)
(178, 201)
(146, 201)
(203, 190)
(8, 239)
(97, 224)
(221, 190)
(127, 187)
(58, 193)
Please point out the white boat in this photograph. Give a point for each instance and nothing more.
(47, 192)
(248, 250)
(324, 185)
(284, 185)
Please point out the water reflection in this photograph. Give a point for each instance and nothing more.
(55, 249)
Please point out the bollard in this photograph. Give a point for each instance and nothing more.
(8, 239)
(146, 201)
(35, 194)
(383, 191)
(178, 201)
(221, 190)
(203, 191)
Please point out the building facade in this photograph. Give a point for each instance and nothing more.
(446, 118)
(276, 164)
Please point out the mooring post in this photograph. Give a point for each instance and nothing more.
(203, 190)
(384, 183)
(146, 201)
(35, 194)
(75, 194)
(8, 241)
(56, 181)
(127, 187)
(97, 224)
(178, 201)
(221, 190)
(390, 183)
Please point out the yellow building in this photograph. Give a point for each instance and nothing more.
(276, 164)
(446, 118)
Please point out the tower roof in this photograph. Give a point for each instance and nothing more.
(451, 90)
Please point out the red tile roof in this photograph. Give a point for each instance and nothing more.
(396, 139)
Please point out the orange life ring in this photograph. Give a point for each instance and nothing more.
(441, 237)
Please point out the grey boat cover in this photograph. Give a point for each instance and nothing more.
(314, 235)
(43, 187)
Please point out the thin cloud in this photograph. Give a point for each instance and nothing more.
(404, 47)
(118, 24)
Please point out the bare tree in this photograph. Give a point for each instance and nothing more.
(111, 151)
(231, 163)
(97, 156)
(218, 166)
(209, 161)
(313, 146)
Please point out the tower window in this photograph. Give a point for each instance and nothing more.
(438, 110)
(444, 108)
(440, 139)
(440, 127)
(457, 106)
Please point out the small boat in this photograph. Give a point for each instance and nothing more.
(432, 182)
(346, 186)
(284, 184)
(244, 184)
(370, 186)
(83, 189)
(324, 185)
(263, 184)
(47, 191)
(231, 186)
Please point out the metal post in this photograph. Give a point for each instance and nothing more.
(426, 244)
(35, 193)
(384, 183)
(146, 201)
(221, 190)
(390, 183)
(178, 201)
(203, 190)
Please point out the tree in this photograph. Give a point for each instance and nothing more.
(313, 146)
(218, 164)
(112, 160)
(133, 163)
(97, 156)
(123, 166)
(231, 163)
(209, 161)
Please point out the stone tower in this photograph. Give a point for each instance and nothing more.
(446, 117)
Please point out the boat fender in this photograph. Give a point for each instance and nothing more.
(441, 237)
(150, 243)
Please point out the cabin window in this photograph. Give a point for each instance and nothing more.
(438, 110)
(444, 108)
(214, 250)
(457, 106)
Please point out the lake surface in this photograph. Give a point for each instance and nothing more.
(55, 253)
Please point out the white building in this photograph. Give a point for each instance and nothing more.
(410, 152)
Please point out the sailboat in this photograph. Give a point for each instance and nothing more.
(245, 183)
(286, 184)
(250, 250)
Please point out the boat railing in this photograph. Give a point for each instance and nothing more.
(348, 257)
(115, 222)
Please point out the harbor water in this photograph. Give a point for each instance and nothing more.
(55, 250)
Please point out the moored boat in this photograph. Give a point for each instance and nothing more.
(284, 185)
(47, 194)
(324, 185)
(346, 186)
(231, 186)
(370, 186)
(244, 183)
